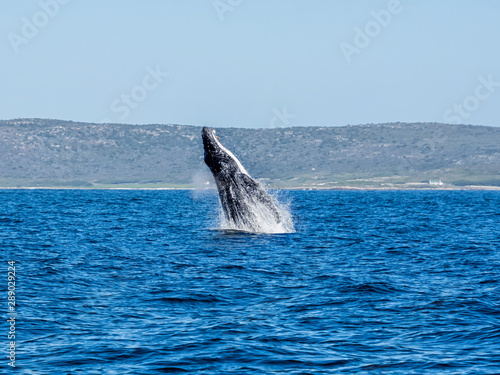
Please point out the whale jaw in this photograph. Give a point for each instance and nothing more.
(218, 158)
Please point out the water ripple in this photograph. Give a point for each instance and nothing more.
(137, 282)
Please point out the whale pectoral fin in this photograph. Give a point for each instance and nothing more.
(257, 192)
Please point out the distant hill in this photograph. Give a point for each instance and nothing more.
(38, 152)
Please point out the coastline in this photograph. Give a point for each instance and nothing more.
(311, 188)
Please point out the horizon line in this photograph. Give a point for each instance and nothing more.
(241, 127)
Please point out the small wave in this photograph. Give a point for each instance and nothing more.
(171, 370)
(231, 267)
(371, 288)
(192, 299)
(10, 220)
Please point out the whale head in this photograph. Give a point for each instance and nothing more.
(218, 158)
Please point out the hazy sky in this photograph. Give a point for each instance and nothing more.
(251, 63)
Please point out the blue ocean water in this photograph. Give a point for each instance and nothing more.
(143, 282)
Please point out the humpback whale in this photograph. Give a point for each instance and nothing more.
(245, 204)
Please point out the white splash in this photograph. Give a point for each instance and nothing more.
(260, 218)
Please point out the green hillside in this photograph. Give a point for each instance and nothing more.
(38, 152)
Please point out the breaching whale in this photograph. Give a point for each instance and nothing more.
(245, 204)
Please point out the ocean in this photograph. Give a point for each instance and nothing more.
(145, 282)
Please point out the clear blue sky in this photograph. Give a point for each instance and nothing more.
(251, 63)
